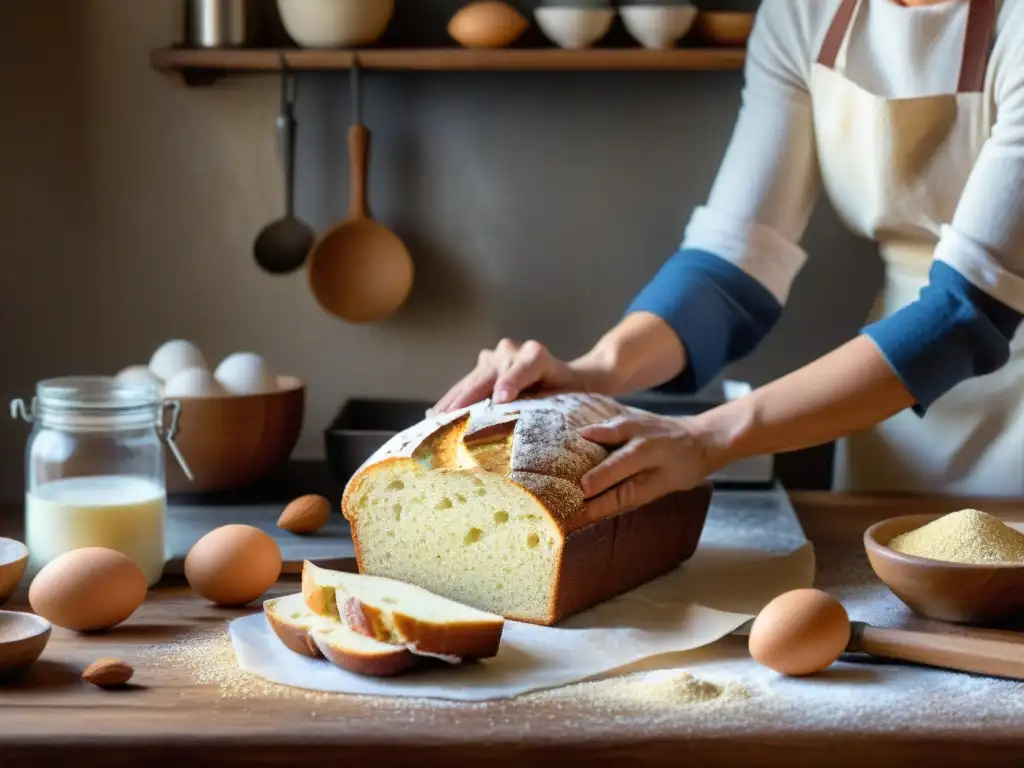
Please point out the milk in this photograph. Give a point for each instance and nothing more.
(125, 513)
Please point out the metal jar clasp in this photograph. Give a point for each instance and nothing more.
(169, 432)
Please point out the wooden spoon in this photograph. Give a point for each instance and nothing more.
(359, 270)
(23, 636)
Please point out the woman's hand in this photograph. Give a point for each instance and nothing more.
(640, 352)
(651, 456)
(511, 368)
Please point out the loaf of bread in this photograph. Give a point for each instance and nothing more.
(484, 506)
(308, 633)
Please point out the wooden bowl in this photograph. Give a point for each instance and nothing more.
(729, 28)
(13, 560)
(959, 593)
(23, 636)
(233, 442)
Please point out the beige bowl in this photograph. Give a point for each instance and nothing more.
(960, 593)
(234, 441)
(335, 23)
(658, 27)
(23, 637)
(13, 560)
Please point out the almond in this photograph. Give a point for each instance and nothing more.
(108, 673)
(306, 514)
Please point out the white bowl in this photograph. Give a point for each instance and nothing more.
(335, 23)
(658, 27)
(574, 28)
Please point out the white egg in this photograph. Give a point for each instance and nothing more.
(194, 382)
(140, 374)
(244, 373)
(176, 356)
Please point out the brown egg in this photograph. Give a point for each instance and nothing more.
(800, 632)
(233, 564)
(487, 24)
(88, 589)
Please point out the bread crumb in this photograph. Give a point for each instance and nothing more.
(209, 659)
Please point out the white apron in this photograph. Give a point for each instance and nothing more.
(894, 170)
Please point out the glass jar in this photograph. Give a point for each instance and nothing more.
(94, 469)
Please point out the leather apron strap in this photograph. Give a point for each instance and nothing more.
(981, 22)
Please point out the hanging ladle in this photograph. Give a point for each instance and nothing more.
(283, 245)
(359, 270)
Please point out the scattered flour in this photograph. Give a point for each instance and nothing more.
(718, 687)
(651, 693)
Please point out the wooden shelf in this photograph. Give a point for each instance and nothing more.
(200, 66)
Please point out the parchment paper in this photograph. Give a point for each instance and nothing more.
(751, 550)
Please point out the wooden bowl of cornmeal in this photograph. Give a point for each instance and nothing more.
(966, 567)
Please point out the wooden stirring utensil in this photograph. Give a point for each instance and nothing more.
(804, 631)
(359, 270)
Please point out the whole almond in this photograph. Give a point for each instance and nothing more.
(108, 673)
(306, 514)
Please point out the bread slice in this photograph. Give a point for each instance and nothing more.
(403, 614)
(485, 507)
(311, 634)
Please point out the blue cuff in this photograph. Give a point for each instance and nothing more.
(719, 312)
(954, 331)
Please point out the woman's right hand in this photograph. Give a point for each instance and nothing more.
(508, 370)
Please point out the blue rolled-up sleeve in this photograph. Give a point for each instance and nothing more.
(719, 312)
(952, 332)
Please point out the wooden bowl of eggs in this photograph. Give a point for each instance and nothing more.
(238, 422)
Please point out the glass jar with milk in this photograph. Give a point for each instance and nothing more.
(95, 469)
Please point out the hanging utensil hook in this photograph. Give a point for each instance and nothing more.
(287, 84)
(356, 111)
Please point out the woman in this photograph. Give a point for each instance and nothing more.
(910, 115)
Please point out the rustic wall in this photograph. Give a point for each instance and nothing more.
(534, 204)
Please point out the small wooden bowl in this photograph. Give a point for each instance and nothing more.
(13, 560)
(728, 28)
(232, 442)
(959, 593)
(23, 636)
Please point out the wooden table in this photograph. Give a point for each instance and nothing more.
(52, 717)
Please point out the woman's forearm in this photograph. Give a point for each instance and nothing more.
(641, 352)
(849, 389)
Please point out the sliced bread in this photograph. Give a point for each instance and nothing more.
(403, 614)
(316, 636)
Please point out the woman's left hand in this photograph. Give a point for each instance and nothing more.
(651, 456)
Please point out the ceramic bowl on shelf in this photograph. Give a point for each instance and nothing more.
(230, 442)
(574, 27)
(335, 23)
(658, 26)
(959, 593)
(731, 28)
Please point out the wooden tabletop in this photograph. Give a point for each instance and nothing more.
(184, 706)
